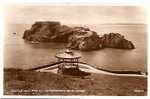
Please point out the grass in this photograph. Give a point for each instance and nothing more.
(21, 82)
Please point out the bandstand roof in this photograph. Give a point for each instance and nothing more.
(68, 55)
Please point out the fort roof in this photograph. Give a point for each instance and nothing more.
(68, 54)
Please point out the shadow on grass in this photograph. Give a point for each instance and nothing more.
(75, 72)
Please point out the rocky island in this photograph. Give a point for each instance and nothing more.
(116, 40)
(80, 38)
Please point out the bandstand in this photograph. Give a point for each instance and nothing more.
(67, 59)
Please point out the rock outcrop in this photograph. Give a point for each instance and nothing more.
(84, 39)
(80, 38)
(47, 32)
(115, 40)
(77, 37)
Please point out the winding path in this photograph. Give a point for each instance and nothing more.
(84, 67)
(95, 70)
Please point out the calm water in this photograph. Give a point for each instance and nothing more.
(19, 54)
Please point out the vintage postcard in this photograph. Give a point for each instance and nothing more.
(70, 49)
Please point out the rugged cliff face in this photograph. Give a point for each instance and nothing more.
(77, 37)
(80, 38)
(84, 39)
(115, 40)
(47, 32)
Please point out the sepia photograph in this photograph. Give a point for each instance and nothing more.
(70, 49)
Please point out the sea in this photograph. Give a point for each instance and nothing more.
(24, 55)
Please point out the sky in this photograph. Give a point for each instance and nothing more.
(76, 14)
